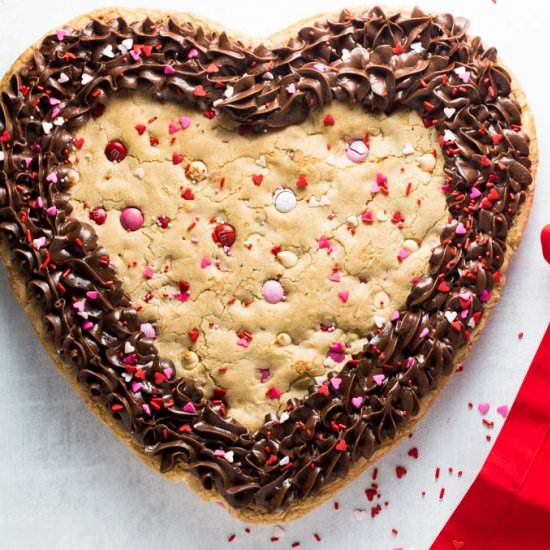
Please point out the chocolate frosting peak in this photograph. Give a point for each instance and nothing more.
(422, 62)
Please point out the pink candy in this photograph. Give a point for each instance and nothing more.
(131, 218)
(272, 291)
(357, 151)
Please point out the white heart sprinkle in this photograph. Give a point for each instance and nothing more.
(416, 47)
(408, 149)
(47, 127)
(59, 121)
(86, 78)
(126, 45)
(449, 136)
(449, 111)
(63, 78)
(359, 514)
(108, 51)
(284, 461)
(128, 348)
(260, 161)
(229, 456)
(313, 202)
(2, 156)
(450, 316)
(139, 172)
(228, 91)
(325, 201)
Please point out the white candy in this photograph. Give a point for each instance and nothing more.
(449, 111)
(287, 258)
(86, 78)
(63, 78)
(108, 51)
(284, 200)
(427, 162)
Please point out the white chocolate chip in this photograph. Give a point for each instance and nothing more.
(324, 201)
(139, 172)
(287, 258)
(197, 171)
(381, 215)
(408, 149)
(411, 245)
(283, 339)
(381, 300)
(313, 202)
(190, 357)
(427, 163)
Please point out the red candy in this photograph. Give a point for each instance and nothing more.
(98, 215)
(545, 240)
(116, 151)
(224, 234)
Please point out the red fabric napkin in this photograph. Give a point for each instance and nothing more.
(508, 505)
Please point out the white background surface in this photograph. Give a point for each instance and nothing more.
(66, 483)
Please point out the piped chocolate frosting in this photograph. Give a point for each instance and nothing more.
(422, 62)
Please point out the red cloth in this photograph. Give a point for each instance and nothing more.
(508, 505)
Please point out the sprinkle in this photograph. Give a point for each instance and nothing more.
(413, 453)
(341, 446)
(108, 51)
(79, 305)
(367, 216)
(378, 379)
(87, 325)
(410, 362)
(136, 386)
(91, 294)
(460, 229)
(328, 120)
(86, 78)
(168, 69)
(148, 330)
(148, 272)
(193, 52)
(485, 295)
(408, 149)
(60, 34)
(205, 262)
(463, 74)
(173, 128)
(265, 373)
(400, 471)
(324, 242)
(357, 401)
(449, 136)
(343, 295)
(291, 88)
(503, 410)
(185, 122)
(336, 382)
(359, 514)
(47, 127)
(63, 78)
(257, 179)
(273, 393)
(38, 243)
(243, 343)
(449, 111)
(190, 407)
(334, 277)
(146, 408)
(403, 254)
(395, 316)
(483, 408)
(425, 331)
(450, 316)
(336, 352)
(475, 193)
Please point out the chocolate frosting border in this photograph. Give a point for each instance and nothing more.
(423, 62)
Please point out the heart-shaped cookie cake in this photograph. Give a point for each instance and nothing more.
(259, 262)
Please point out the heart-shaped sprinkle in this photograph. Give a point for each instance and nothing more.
(483, 408)
(357, 401)
(379, 379)
(335, 382)
(503, 410)
(449, 111)
(359, 514)
(400, 471)
(545, 241)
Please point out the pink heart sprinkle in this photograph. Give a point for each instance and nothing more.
(135, 55)
(148, 329)
(193, 52)
(136, 386)
(324, 242)
(343, 295)
(334, 277)
(425, 331)
(404, 253)
(87, 325)
(264, 374)
(27, 161)
(243, 343)
(336, 382)
(483, 408)
(503, 411)
(410, 362)
(485, 295)
(378, 379)
(91, 294)
(168, 69)
(52, 178)
(394, 316)
(219, 452)
(79, 305)
(168, 372)
(148, 272)
(291, 88)
(185, 122)
(60, 34)
(51, 211)
(460, 229)
(189, 407)
(357, 401)
(146, 408)
(475, 193)
(205, 262)
(55, 112)
(173, 128)
(381, 179)
(374, 188)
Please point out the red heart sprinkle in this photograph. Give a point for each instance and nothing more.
(341, 446)
(458, 544)
(328, 120)
(413, 453)
(177, 158)
(140, 129)
(257, 179)
(301, 182)
(193, 334)
(400, 471)
(78, 142)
